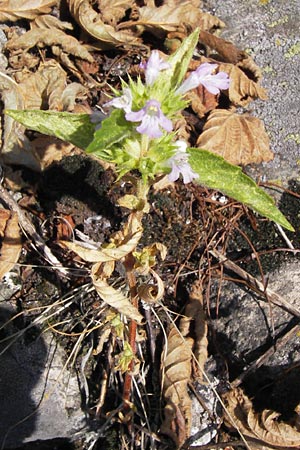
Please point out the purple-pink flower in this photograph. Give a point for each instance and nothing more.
(152, 119)
(179, 164)
(204, 75)
(153, 66)
(122, 102)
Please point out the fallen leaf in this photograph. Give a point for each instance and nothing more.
(113, 11)
(15, 147)
(11, 241)
(49, 149)
(242, 90)
(12, 10)
(183, 343)
(113, 297)
(49, 38)
(264, 426)
(183, 16)
(208, 22)
(239, 138)
(91, 22)
(176, 374)
(227, 50)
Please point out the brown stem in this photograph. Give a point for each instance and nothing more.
(129, 263)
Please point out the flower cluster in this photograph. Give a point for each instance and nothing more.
(148, 105)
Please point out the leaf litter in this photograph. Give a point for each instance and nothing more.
(59, 65)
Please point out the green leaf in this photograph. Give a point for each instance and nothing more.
(171, 78)
(216, 173)
(74, 128)
(113, 130)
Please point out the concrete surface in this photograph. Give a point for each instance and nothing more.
(270, 33)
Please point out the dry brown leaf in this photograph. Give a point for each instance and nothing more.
(11, 241)
(242, 90)
(111, 296)
(49, 22)
(113, 11)
(151, 293)
(44, 87)
(264, 425)
(176, 375)
(177, 366)
(123, 243)
(168, 18)
(15, 147)
(227, 50)
(91, 22)
(239, 138)
(49, 38)
(195, 323)
(12, 10)
(202, 101)
(208, 22)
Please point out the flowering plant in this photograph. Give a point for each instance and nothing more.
(139, 130)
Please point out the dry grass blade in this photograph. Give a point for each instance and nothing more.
(239, 138)
(13, 10)
(11, 242)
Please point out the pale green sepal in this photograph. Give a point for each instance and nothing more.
(74, 128)
(216, 173)
(113, 130)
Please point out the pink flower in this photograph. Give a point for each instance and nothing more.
(153, 66)
(180, 165)
(203, 75)
(152, 119)
(122, 102)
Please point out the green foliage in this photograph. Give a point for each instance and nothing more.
(74, 128)
(216, 173)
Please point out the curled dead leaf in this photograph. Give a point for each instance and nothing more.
(124, 242)
(264, 426)
(13, 10)
(15, 147)
(57, 39)
(242, 90)
(11, 241)
(113, 12)
(239, 138)
(92, 23)
(169, 17)
(113, 297)
(226, 49)
(151, 293)
(177, 371)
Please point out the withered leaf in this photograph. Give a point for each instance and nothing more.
(168, 18)
(12, 10)
(227, 50)
(176, 369)
(113, 11)
(15, 147)
(239, 138)
(264, 426)
(11, 241)
(113, 297)
(242, 90)
(91, 22)
(49, 38)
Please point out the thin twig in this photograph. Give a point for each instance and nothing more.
(257, 285)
